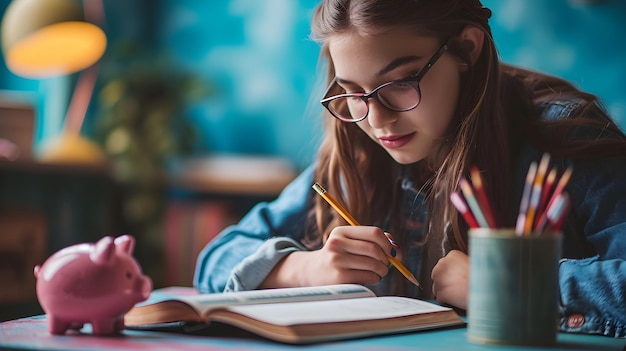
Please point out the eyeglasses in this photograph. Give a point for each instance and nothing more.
(398, 95)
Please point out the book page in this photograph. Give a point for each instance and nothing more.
(203, 303)
(337, 311)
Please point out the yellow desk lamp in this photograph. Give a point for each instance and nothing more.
(47, 38)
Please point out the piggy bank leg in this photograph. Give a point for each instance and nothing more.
(104, 326)
(56, 325)
(119, 324)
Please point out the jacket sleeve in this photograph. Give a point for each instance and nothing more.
(593, 271)
(242, 255)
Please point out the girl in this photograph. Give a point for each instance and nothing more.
(416, 96)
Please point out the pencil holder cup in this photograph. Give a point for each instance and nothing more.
(514, 287)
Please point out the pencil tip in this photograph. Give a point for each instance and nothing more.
(414, 281)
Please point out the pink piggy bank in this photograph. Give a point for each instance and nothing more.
(91, 283)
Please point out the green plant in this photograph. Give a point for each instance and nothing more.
(141, 123)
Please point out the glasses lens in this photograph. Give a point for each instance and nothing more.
(348, 108)
(400, 96)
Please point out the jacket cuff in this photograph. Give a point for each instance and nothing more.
(251, 272)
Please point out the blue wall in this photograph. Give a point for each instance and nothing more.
(258, 52)
(259, 56)
(583, 43)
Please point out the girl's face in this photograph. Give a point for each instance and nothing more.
(362, 63)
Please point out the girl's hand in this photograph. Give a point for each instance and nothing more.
(451, 279)
(352, 254)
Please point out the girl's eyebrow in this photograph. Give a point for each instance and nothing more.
(400, 61)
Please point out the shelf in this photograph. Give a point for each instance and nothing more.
(233, 175)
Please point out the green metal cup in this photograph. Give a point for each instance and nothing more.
(514, 287)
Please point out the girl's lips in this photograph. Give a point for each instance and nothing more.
(396, 141)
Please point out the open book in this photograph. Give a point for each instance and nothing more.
(297, 315)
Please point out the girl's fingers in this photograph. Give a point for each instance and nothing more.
(367, 234)
(367, 241)
(353, 264)
(366, 249)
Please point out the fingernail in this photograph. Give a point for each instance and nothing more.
(393, 252)
(391, 241)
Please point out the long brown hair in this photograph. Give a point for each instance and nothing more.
(497, 101)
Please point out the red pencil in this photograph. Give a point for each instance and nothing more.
(461, 206)
(544, 221)
(560, 186)
(557, 213)
(547, 189)
(481, 193)
(472, 203)
(545, 197)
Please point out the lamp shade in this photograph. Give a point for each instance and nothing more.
(46, 38)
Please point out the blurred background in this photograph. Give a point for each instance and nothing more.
(199, 109)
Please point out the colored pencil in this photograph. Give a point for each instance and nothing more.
(523, 208)
(543, 222)
(481, 196)
(559, 188)
(562, 183)
(466, 188)
(535, 197)
(547, 190)
(345, 215)
(545, 200)
(461, 206)
(557, 213)
(537, 190)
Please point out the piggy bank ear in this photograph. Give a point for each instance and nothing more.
(103, 251)
(125, 244)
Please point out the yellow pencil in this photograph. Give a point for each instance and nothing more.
(342, 211)
(535, 196)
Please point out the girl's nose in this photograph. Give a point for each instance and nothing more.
(380, 116)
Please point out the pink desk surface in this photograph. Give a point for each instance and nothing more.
(32, 334)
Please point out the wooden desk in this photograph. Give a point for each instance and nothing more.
(32, 334)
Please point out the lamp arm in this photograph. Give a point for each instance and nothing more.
(79, 103)
(80, 99)
(94, 12)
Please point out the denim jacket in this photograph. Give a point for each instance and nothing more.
(592, 270)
